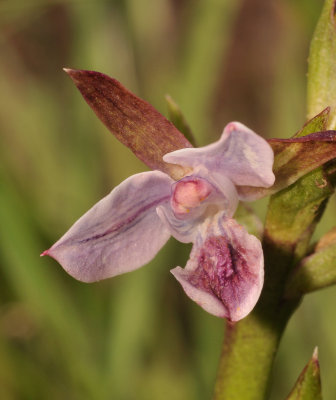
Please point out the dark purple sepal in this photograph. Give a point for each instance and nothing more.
(133, 121)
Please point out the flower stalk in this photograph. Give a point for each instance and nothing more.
(250, 345)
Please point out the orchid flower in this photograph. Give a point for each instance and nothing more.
(128, 227)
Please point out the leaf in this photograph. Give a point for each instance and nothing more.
(315, 271)
(177, 118)
(284, 169)
(296, 157)
(133, 121)
(294, 211)
(321, 89)
(317, 124)
(308, 385)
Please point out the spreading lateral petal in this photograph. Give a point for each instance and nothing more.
(225, 272)
(120, 233)
(240, 154)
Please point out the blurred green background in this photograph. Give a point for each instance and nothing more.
(137, 336)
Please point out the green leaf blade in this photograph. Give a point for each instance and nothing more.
(316, 271)
(294, 158)
(319, 123)
(308, 385)
(177, 118)
(294, 211)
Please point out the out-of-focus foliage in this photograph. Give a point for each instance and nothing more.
(220, 60)
(177, 118)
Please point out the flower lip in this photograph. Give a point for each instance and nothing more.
(224, 274)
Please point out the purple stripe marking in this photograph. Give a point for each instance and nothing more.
(127, 221)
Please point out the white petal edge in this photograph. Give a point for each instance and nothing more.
(205, 300)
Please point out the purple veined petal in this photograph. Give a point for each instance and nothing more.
(240, 154)
(120, 233)
(225, 272)
(194, 199)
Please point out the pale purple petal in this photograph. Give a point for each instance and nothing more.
(120, 233)
(240, 154)
(224, 274)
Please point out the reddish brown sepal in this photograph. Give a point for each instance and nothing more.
(133, 121)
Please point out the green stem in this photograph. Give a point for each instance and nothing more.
(315, 272)
(250, 345)
(247, 358)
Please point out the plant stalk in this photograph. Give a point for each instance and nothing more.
(250, 345)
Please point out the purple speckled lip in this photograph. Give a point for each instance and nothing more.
(227, 268)
(223, 270)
